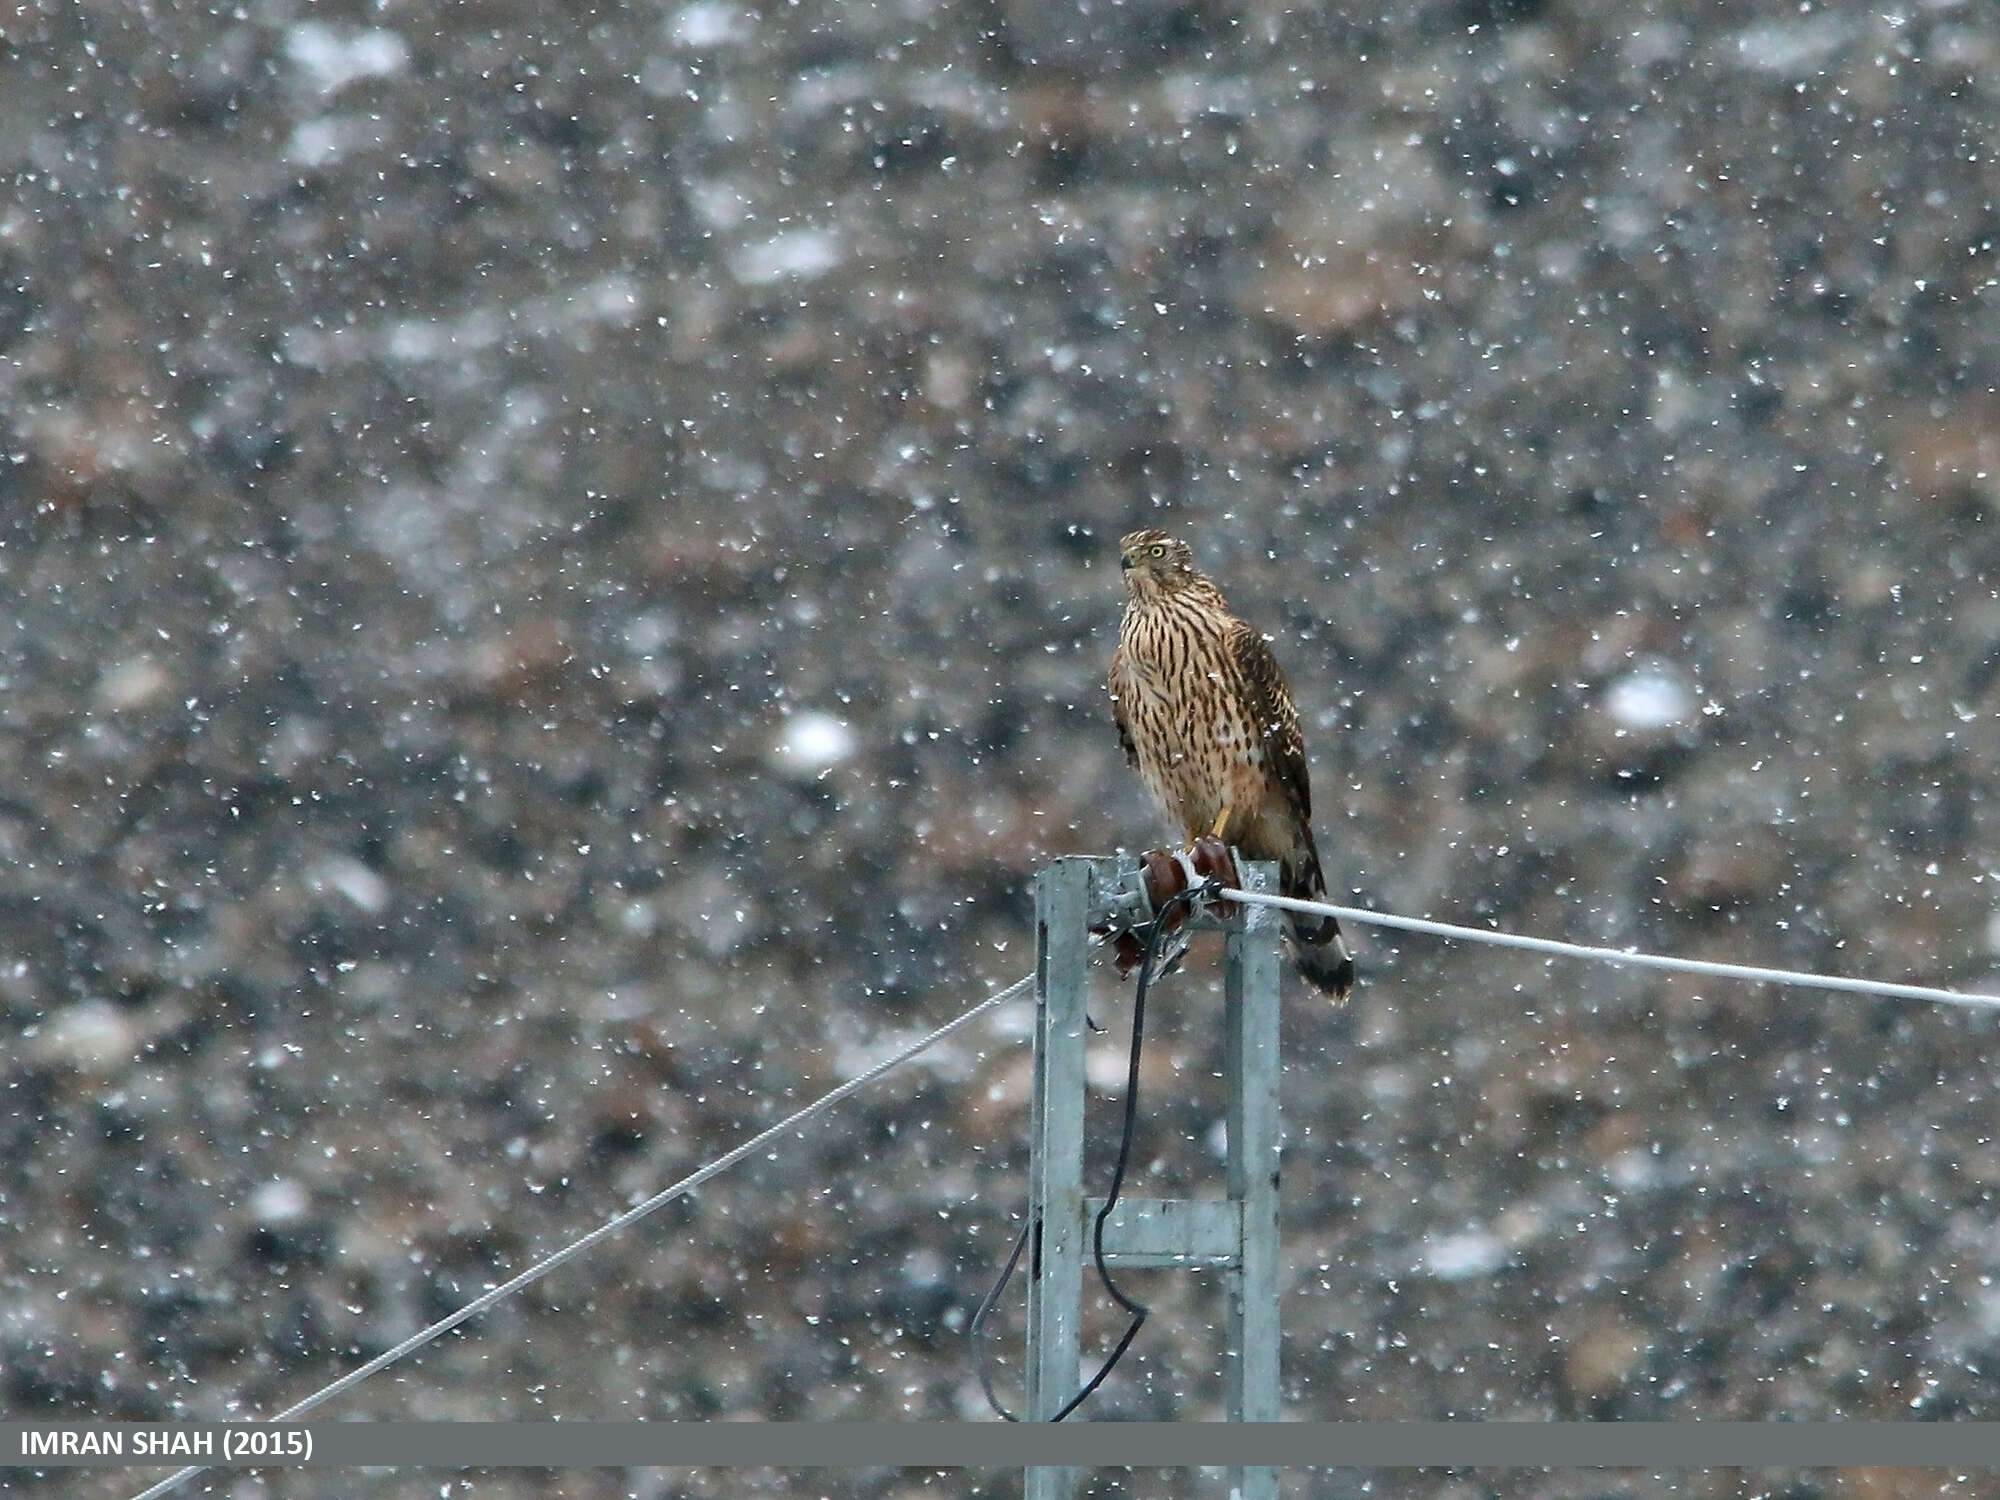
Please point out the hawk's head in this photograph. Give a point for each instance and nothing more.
(1154, 563)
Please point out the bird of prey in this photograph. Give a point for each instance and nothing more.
(1206, 719)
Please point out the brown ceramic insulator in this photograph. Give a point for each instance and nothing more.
(1126, 951)
(1165, 877)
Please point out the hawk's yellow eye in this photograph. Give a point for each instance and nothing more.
(1156, 550)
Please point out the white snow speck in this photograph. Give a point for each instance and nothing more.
(610, 299)
(801, 253)
(1460, 1257)
(317, 143)
(332, 57)
(1649, 698)
(719, 202)
(709, 23)
(92, 1036)
(1217, 1140)
(279, 1202)
(1634, 1169)
(813, 744)
(1792, 49)
(351, 878)
(132, 684)
(1106, 1069)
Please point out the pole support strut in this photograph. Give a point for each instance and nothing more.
(1236, 1234)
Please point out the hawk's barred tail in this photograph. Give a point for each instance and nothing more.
(1315, 942)
(1324, 961)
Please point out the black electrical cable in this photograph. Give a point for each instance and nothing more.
(1138, 1310)
(976, 1330)
(1154, 932)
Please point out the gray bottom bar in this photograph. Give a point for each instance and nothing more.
(1643, 1445)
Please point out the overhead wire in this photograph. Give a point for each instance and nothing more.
(610, 1227)
(1798, 979)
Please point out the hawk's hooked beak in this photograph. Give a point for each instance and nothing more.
(1124, 563)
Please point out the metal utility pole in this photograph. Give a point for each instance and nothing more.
(1237, 1233)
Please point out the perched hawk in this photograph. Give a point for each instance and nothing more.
(1207, 720)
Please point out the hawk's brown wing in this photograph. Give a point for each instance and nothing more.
(1118, 710)
(1277, 717)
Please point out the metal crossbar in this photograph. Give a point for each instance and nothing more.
(1236, 1234)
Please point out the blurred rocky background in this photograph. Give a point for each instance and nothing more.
(558, 562)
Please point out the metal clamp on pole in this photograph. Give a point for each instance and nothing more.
(1237, 1233)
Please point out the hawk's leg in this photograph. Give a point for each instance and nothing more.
(1222, 820)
